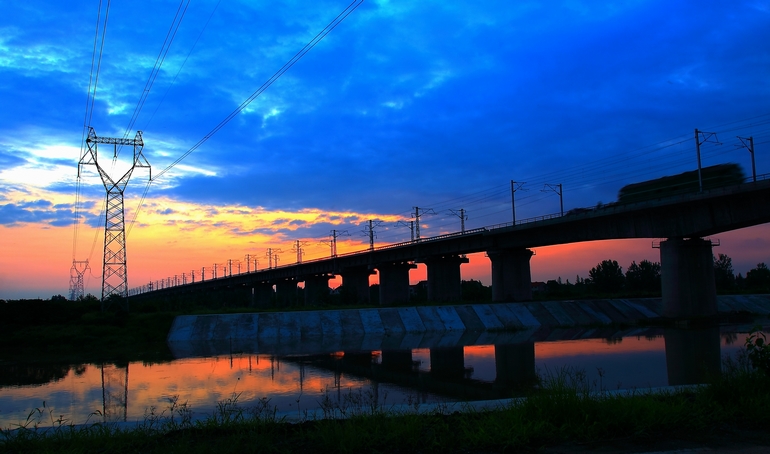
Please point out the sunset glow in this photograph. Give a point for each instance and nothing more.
(427, 109)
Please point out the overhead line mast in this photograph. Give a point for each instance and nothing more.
(114, 270)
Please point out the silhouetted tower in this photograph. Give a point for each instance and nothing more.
(707, 137)
(515, 186)
(370, 232)
(463, 217)
(249, 259)
(298, 249)
(114, 270)
(409, 224)
(334, 234)
(750, 147)
(557, 188)
(272, 257)
(79, 267)
(418, 212)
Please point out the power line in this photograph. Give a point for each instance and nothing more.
(170, 35)
(187, 57)
(93, 80)
(301, 53)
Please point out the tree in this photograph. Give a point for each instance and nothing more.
(643, 277)
(88, 298)
(607, 276)
(723, 273)
(758, 278)
(58, 298)
(475, 291)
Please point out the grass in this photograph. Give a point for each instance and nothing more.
(566, 412)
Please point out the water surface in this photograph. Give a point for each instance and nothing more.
(137, 391)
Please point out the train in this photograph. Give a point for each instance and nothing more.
(687, 182)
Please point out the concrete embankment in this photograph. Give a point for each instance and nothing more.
(407, 327)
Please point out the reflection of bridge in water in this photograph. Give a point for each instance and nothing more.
(693, 356)
(448, 375)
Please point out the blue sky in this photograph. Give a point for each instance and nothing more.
(431, 104)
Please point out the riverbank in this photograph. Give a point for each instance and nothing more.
(566, 414)
(71, 332)
(388, 328)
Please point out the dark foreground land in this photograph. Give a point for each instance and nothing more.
(566, 414)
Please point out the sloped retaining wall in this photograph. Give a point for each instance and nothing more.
(377, 328)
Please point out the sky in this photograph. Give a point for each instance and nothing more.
(402, 106)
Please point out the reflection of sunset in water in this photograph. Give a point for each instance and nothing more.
(299, 383)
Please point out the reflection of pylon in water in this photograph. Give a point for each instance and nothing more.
(114, 393)
(114, 270)
(79, 267)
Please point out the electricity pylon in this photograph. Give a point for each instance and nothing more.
(79, 267)
(114, 270)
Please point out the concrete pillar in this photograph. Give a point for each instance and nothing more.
(355, 283)
(317, 289)
(515, 365)
(394, 282)
(397, 360)
(444, 281)
(357, 358)
(447, 362)
(240, 296)
(262, 294)
(693, 356)
(286, 292)
(511, 278)
(687, 278)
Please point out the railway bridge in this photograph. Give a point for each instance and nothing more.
(681, 222)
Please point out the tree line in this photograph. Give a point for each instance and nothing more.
(643, 279)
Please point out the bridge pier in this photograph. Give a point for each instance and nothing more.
(687, 278)
(317, 288)
(511, 277)
(355, 283)
(240, 295)
(447, 362)
(693, 356)
(444, 281)
(394, 282)
(286, 292)
(397, 360)
(262, 294)
(515, 365)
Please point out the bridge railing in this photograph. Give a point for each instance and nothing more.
(524, 221)
(148, 288)
(763, 176)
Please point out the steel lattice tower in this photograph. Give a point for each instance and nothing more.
(76, 279)
(114, 270)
